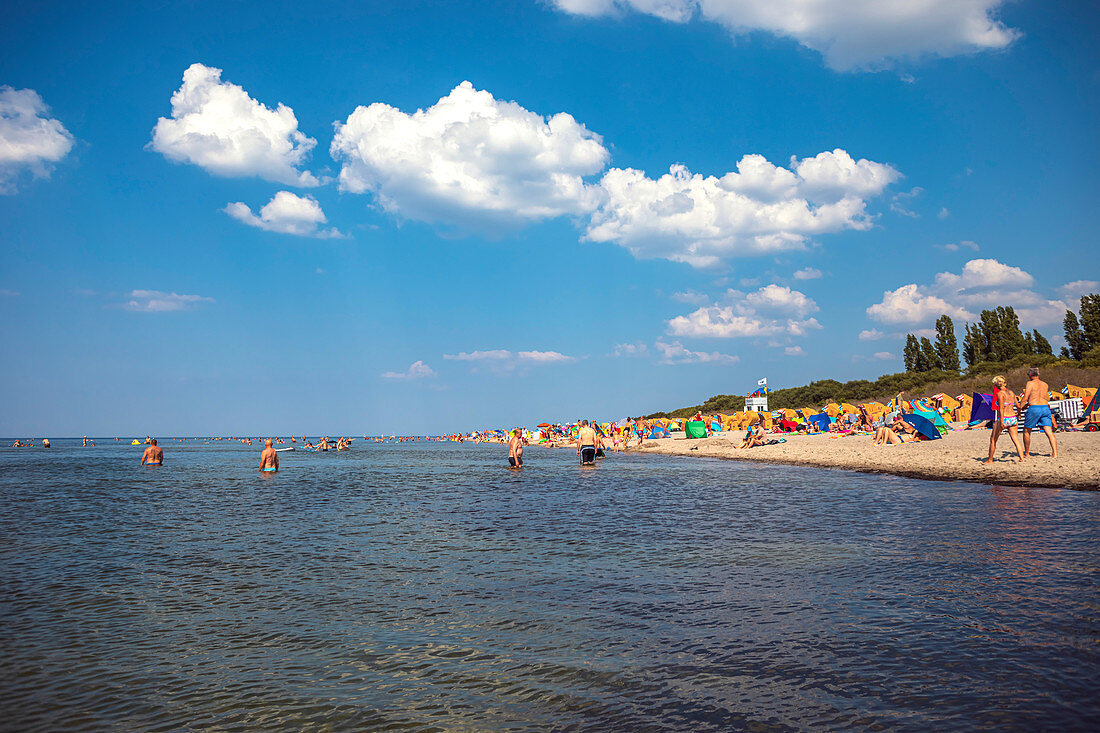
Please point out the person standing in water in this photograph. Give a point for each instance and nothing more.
(1036, 398)
(153, 456)
(515, 450)
(269, 459)
(586, 444)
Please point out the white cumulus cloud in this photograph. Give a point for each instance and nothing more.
(794, 351)
(849, 34)
(807, 273)
(1072, 292)
(470, 160)
(982, 284)
(503, 360)
(417, 370)
(286, 213)
(872, 334)
(883, 355)
(773, 310)
(635, 349)
(30, 140)
(757, 209)
(217, 126)
(155, 301)
(677, 353)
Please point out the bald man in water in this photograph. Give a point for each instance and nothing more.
(153, 456)
(269, 459)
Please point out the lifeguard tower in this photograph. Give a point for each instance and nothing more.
(758, 400)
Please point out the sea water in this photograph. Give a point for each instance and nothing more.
(426, 587)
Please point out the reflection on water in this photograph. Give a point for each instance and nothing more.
(425, 587)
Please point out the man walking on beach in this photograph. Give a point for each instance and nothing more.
(1036, 397)
(153, 456)
(269, 459)
(515, 450)
(586, 444)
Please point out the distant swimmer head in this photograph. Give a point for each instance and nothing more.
(999, 381)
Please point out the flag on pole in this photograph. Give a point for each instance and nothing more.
(763, 383)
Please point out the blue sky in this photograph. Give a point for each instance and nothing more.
(630, 206)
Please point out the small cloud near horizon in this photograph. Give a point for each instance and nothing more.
(417, 370)
(156, 301)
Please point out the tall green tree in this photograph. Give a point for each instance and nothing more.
(912, 348)
(947, 346)
(1090, 320)
(972, 345)
(1013, 342)
(1075, 337)
(1042, 346)
(1029, 342)
(926, 356)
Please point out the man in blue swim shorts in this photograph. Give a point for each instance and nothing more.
(1037, 398)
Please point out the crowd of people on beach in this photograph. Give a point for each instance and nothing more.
(898, 422)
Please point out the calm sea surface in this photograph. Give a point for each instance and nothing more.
(425, 587)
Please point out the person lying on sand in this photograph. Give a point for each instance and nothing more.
(899, 432)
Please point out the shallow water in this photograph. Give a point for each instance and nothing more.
(422, 587)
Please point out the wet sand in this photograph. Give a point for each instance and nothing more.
(957, 457)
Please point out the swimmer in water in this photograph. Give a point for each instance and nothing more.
(153, 456)
(515, 450)
(269, 459)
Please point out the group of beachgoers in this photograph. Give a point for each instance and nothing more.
(1033, 406)
(588, 440)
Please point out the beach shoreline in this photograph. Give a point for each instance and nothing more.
(957, 457)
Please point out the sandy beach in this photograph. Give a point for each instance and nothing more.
(957, 457)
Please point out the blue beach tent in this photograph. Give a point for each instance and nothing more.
(659, 432)
(982, 408)
(923, 425)
(820, 421)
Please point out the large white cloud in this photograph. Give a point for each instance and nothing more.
(850, 34)
(470, 160)
(771, 311)
(217, 126)
(29, 139)
(286, 213)
(756, 209)
(982, 284)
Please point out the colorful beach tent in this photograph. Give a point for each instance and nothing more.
(922, 425)
(821, 422)
(935, 418)
(658, 432)
(982, 409)
(695, 429)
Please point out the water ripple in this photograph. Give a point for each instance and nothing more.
(414, 588)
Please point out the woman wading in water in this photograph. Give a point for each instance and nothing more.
(1004, 401)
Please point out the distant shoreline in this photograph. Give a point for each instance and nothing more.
(957, 457)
